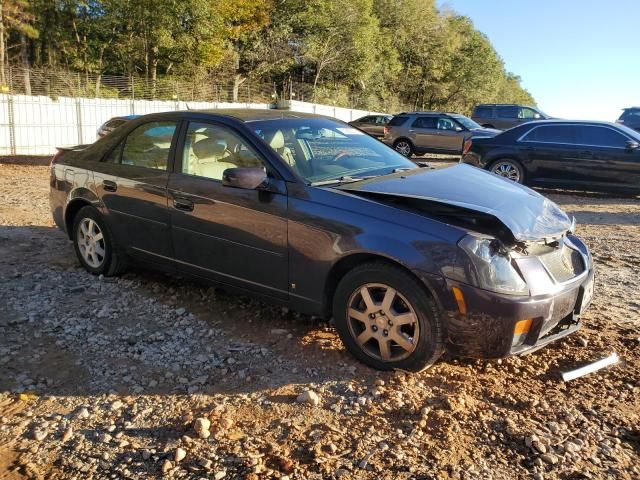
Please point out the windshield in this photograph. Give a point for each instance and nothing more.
(466, 122)
(321, 150)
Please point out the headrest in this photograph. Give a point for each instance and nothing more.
(277, 140)
(209, 147)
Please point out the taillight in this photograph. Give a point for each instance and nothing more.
(467, 146)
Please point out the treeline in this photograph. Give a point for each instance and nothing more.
(375, 54)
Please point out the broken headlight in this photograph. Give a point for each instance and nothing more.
(491, 268)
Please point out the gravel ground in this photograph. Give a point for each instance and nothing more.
(149, 375)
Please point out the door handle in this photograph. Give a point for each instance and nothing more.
(183, 204)
(109, 186)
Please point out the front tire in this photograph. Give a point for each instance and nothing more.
(508, 168)
(387, 319)
(94, 244)
(403, 147)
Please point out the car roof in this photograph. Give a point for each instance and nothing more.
(250, 114)
(427, 113)
(570, 122)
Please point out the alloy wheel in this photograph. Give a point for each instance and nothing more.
(403, 148)
(507, 170)
(91, 243)
(382, 322)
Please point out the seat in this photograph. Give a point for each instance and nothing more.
(277, 143)
(209, 158)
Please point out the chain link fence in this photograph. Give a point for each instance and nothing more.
(41, 109)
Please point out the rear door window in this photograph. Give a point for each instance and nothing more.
(149, 145)
(484, 112)
(425, 122)
(600, 137)
(552, 134)
(507, 112)
(397, 121)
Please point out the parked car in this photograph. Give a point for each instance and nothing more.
(308, 212)
(431, 132)
(113, 123)
(630, 118)
(505, 116)
(372, 124)
(567, 154)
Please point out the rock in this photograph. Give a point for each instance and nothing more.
(180, 454)
(166, 466)
(279, 331)
(68, 433)
(180, 311)
(220, 475)
(528, 441)
(146, 454)
(540, 447)
(310, 397)
(117, 405)
(82, 413)
(285, 465)
(549, 458)
(40, 435)
(225, 423)
(571, 447)
(202, 426)
(583, 342)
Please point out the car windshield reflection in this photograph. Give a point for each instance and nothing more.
(321, 150)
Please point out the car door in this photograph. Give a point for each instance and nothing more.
(366, 124)
(231, 235)
(423, 133)
(506, 116)
(551, 154)
(450, 135)
(605, 158)
(131, 181)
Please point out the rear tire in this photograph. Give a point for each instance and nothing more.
(508, 168)
(403, 147)
(94, 244)
(387, 319)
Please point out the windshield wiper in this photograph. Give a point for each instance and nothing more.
(345, 179)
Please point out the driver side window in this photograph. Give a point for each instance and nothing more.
(446, 124)
(211, 149)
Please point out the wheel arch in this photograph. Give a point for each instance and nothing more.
(349, 262)
(80, 198)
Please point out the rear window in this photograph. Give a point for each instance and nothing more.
(551, 134)
(484, 112)
(425, 122)
(397, 121)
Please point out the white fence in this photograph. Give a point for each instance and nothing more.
(36, 125)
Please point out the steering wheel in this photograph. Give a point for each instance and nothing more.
(341, 154)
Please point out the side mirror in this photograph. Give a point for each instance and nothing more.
(631, 145)
(250, 178)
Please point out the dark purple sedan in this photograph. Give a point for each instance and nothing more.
(311, 213)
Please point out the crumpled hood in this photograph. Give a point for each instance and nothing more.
(527, 214)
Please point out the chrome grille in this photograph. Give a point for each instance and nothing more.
(563, 263)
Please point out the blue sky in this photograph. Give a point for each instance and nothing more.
(579, 58)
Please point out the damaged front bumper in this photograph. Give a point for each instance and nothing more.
(494, 325)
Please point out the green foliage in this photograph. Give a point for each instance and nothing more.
(376, 54)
